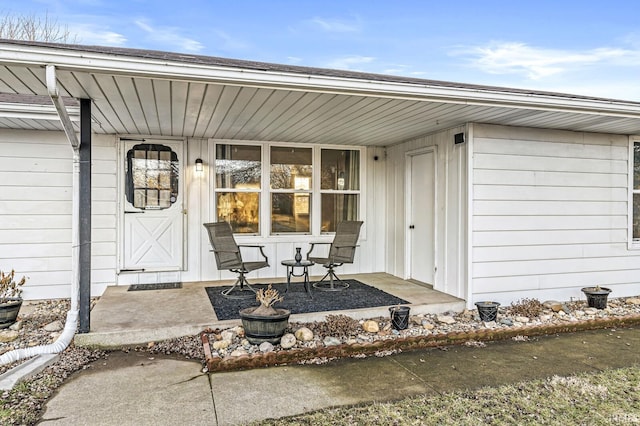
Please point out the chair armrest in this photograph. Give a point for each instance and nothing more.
(312, 246)
(258, 247)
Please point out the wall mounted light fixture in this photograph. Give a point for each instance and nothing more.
(199, 165)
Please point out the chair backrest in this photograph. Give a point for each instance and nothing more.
(224, 245)
(343, 248)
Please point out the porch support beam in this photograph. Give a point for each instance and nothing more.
(85, 216)
(52, 89)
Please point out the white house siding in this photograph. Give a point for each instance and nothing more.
(549, 214)
(451, 195)
(35, 212)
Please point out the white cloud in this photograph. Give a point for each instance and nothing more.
(348, 62)
(169, 36)
(89, 34)
(337, 25)
(538, 63)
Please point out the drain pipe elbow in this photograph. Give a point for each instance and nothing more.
(61, 343)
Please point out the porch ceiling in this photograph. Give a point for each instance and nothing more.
(153, 96)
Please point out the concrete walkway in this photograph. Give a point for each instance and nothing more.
(136, 388)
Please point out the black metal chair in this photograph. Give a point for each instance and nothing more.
(342, 250)
(229, 258)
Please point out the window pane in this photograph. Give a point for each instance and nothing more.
(340, 169)
(636, 216)
(290, 213)
(152, 176)
(240, 209)
(291, 168)
(238, 166)
(337, 208)
(152, 198)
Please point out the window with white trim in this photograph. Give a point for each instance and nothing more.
(238, 171)
(635, 224)
(308, 189)
(291, 183)
(340, 186)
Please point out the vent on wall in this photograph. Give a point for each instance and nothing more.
(458, 138)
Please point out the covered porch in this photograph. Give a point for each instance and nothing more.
(122, 317)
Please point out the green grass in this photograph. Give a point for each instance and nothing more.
(604, 398)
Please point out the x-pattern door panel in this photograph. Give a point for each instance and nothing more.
(153, 206)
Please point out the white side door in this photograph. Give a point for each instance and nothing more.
(153, 218)
(421, 216)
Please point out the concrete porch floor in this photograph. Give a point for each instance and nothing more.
(122, 317)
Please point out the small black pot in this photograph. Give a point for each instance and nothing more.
(596, 296)
(488, 311)
(9, 312)
(399, 317)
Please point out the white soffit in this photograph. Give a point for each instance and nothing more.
(137, 95)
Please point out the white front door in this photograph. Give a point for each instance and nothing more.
(153, 206)
(421, 216)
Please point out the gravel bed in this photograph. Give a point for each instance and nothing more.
(339, 330)
(25, 402)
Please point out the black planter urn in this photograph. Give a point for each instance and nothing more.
(488, 311)
(596, 296)
(399, 317)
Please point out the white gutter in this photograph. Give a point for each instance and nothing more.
(71, 324)
(92, 62)
(35, 112)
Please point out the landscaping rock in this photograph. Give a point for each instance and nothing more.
(304, 334)
(54, 326)
(17, 326)
(221, 344)
(288, 341)
(239, 352)
(522, 319)
(554, 305)
(370, 326)
(445, 319)
(8, 336)
(427, 325)
(266, 347)
(633, 301)
(331, 341)
(228, 335)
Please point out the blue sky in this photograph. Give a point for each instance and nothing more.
(588, 48)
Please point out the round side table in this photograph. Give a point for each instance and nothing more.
(291, 265)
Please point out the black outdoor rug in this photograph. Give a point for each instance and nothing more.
(296, 300)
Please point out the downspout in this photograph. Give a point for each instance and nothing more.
(71, 324)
